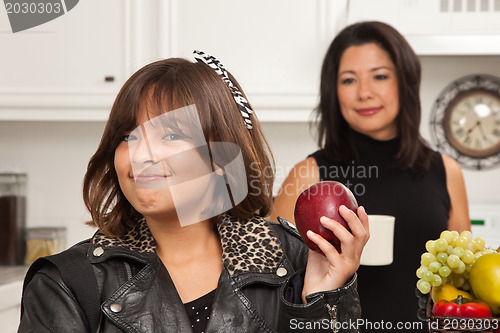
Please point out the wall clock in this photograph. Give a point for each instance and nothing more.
(465, 121)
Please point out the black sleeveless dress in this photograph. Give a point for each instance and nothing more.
(421, 206)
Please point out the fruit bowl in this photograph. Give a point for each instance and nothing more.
(459, 324)
(458, 282)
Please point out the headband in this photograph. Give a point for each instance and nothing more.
(241, 101)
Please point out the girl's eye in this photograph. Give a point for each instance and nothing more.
(173, 137)
(347, 81)
(129, 137)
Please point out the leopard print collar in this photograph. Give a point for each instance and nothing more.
(247, 245)
(138, 239)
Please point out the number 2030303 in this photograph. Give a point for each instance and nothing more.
(33, 8)
(465, 324)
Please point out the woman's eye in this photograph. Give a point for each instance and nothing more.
(129, 137)
(380, 77)
(347, 81)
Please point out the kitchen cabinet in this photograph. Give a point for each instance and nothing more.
(69, 68)
(437, 27)
(72, 67)
(76, 51)
(274, 48)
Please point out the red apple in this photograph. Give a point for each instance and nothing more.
(322, 199)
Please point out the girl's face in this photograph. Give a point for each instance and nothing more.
(163, 166)
(367, 89)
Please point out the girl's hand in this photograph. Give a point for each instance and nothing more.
(332, 270)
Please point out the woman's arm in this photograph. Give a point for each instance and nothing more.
(303, 175)
(459, 212)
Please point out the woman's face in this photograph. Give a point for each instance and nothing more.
(367, 89)
(163, 166)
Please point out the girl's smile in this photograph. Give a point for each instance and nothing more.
(148, 178)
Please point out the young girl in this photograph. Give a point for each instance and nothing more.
(182, 244)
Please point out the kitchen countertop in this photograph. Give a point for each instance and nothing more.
(11, 286)
(9, 274)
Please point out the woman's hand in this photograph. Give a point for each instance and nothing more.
(334, 269)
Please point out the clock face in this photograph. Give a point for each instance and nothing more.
(472, 123)
(465, 121)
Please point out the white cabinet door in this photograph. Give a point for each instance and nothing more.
(65, 67)
(58, 70)
(437, 27)
(274, 48)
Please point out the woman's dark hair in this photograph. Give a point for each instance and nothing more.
(333, 131)
(164, 86)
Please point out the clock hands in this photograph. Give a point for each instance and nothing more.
(467, 140)
(467, 137)
(481, 129)
(477, 124)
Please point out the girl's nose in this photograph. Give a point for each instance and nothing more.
(140, 152)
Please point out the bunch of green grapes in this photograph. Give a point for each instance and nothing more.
(449, 260)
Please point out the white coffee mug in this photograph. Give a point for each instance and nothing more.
(378, 251)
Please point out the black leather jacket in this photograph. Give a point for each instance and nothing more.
(258, 291)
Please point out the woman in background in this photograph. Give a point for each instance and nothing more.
(369, 117)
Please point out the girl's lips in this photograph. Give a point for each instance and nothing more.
(368, 111)
(144, 179)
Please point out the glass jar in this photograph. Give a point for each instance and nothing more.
(12, 218)
(44, 241)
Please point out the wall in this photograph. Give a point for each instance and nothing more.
(55, 156)
(438, 72)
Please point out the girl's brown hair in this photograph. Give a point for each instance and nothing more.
(169, 84)
(333, 135)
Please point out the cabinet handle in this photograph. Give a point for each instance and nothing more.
(109, 79)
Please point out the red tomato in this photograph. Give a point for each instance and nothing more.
(461, 307)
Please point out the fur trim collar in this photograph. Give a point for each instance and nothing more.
(247, 245)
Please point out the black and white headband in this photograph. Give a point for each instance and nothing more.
(241, 101)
